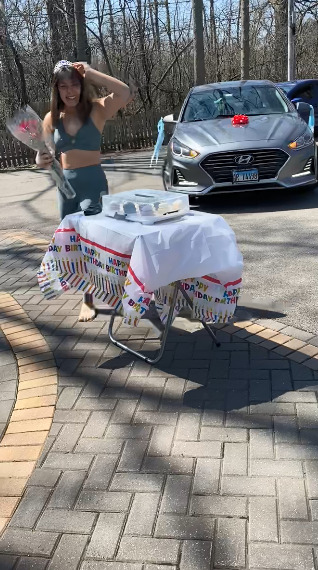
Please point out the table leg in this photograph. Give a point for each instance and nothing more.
(190, 303)
(178, 287)
(164, 336)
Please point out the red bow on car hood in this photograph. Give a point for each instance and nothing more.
(240, 120)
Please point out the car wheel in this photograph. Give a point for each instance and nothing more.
(163, 176)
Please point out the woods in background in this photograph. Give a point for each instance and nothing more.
(149, 40)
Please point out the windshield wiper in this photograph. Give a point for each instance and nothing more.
(210, 118)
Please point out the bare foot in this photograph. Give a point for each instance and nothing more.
(87, 312)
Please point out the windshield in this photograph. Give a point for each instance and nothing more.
(230, 101)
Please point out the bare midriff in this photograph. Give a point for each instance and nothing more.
(79, 158)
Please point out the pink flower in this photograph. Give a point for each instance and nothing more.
(31, 127)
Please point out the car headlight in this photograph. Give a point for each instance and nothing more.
(180, 149)
(305, 139)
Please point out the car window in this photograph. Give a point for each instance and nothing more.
(230, 101)
(286, 87)
(305, 92)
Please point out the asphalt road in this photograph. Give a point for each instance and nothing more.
(276, 232)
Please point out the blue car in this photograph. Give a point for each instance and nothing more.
(305, 90)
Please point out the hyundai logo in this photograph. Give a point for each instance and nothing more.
(244, 159)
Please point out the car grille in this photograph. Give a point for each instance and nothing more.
(220, 166)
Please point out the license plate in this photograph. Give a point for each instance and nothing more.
(245, 176)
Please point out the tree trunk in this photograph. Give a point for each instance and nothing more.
(214, 44)
(156, 19)
(82, 48)
(245, 39)
(281, 39)
(166, 3)
(2, 44)
(54, 19)
(70, 24)
(5, 41)
(111, 23)
(199, 63)
(238, 36)
(153, 13)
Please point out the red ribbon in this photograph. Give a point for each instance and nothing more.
(240, 120)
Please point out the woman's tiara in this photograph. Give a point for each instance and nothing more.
(61, 64)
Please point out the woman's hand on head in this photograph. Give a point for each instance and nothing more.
(44, 159)
(81, 67)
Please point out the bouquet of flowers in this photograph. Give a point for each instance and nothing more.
(26, 126)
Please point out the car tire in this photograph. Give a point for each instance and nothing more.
(163, 176)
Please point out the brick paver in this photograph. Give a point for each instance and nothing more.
(207, 460)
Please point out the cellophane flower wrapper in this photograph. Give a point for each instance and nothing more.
(26, 126)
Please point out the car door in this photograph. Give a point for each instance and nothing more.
(315, 102)
(308, 93)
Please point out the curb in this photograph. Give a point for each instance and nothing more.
(8, 382)
(32, 415)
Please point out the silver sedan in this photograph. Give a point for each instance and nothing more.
(212, 150)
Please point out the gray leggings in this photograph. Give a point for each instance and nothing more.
(88, 182)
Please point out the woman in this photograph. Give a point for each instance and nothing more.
(76, 122)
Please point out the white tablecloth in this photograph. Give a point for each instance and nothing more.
(124, 263)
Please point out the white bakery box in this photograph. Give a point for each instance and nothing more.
(146, 206)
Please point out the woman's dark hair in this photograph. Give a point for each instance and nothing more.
(85, 103)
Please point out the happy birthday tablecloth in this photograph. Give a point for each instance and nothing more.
(127, 264)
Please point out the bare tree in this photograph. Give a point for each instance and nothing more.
(153, 41)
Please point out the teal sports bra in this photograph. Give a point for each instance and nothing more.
(87, 137)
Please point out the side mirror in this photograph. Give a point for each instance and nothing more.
(170, 125)
(169, 119)
(304, 110)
